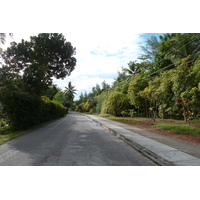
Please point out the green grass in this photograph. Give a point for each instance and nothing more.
(180, 129)
(8, 134)
(196, 120)
(126, 120)
(105, 115)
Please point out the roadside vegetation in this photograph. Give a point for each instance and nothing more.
(174, 126)
(27, 94)
(8, 134)
(163, 83)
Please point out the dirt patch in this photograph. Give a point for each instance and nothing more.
(150, 123)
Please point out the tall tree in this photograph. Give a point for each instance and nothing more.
(150, 49)
(69, 92)
(46, 56)
(178, 46)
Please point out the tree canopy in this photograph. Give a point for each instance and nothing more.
(37, 61)
(26, 77)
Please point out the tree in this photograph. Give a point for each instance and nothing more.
(178, 46)
(115, 103)
(159, 94)
(133, 68)
(46, 56)
(105, 86)
(150, 50)
(69, 92)
(51, 91)
(59, 98)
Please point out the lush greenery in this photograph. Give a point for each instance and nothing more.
(27, 95)
(180, 129)
(164, 82)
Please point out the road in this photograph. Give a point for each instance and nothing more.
(74, 140)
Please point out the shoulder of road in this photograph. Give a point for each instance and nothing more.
(163, 150)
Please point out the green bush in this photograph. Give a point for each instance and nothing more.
(92, 110)
(115, 104)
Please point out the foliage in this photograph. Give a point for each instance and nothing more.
(137, 84)
(59, 98)
(7, 133)
(51, 91)
(100, 99)
(150, 49)
(165, 82)
(69, 94)
(115, 103)
(46, 56)
(26, 89)
(25, 110)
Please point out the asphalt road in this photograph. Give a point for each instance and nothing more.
(74, 140)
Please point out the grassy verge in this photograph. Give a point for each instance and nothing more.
(7, 134)
(126, 120)
(182, 129)
(179, 129)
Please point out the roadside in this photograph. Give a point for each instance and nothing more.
(162, 149)
(7, 134)
(147, 124)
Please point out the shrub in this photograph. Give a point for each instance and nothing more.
(115, 104)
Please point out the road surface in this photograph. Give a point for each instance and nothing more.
(74, 140)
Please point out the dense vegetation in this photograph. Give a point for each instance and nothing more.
(27, 95)
(164, 82)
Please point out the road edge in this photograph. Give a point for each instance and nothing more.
(147, 153)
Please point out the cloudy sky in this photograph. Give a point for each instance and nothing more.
(107, 34)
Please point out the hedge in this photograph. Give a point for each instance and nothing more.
(25, 110)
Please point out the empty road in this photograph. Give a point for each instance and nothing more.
(74, 140)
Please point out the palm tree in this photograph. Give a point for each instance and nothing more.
(133, 69)
(179, 46)
(69, 92)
